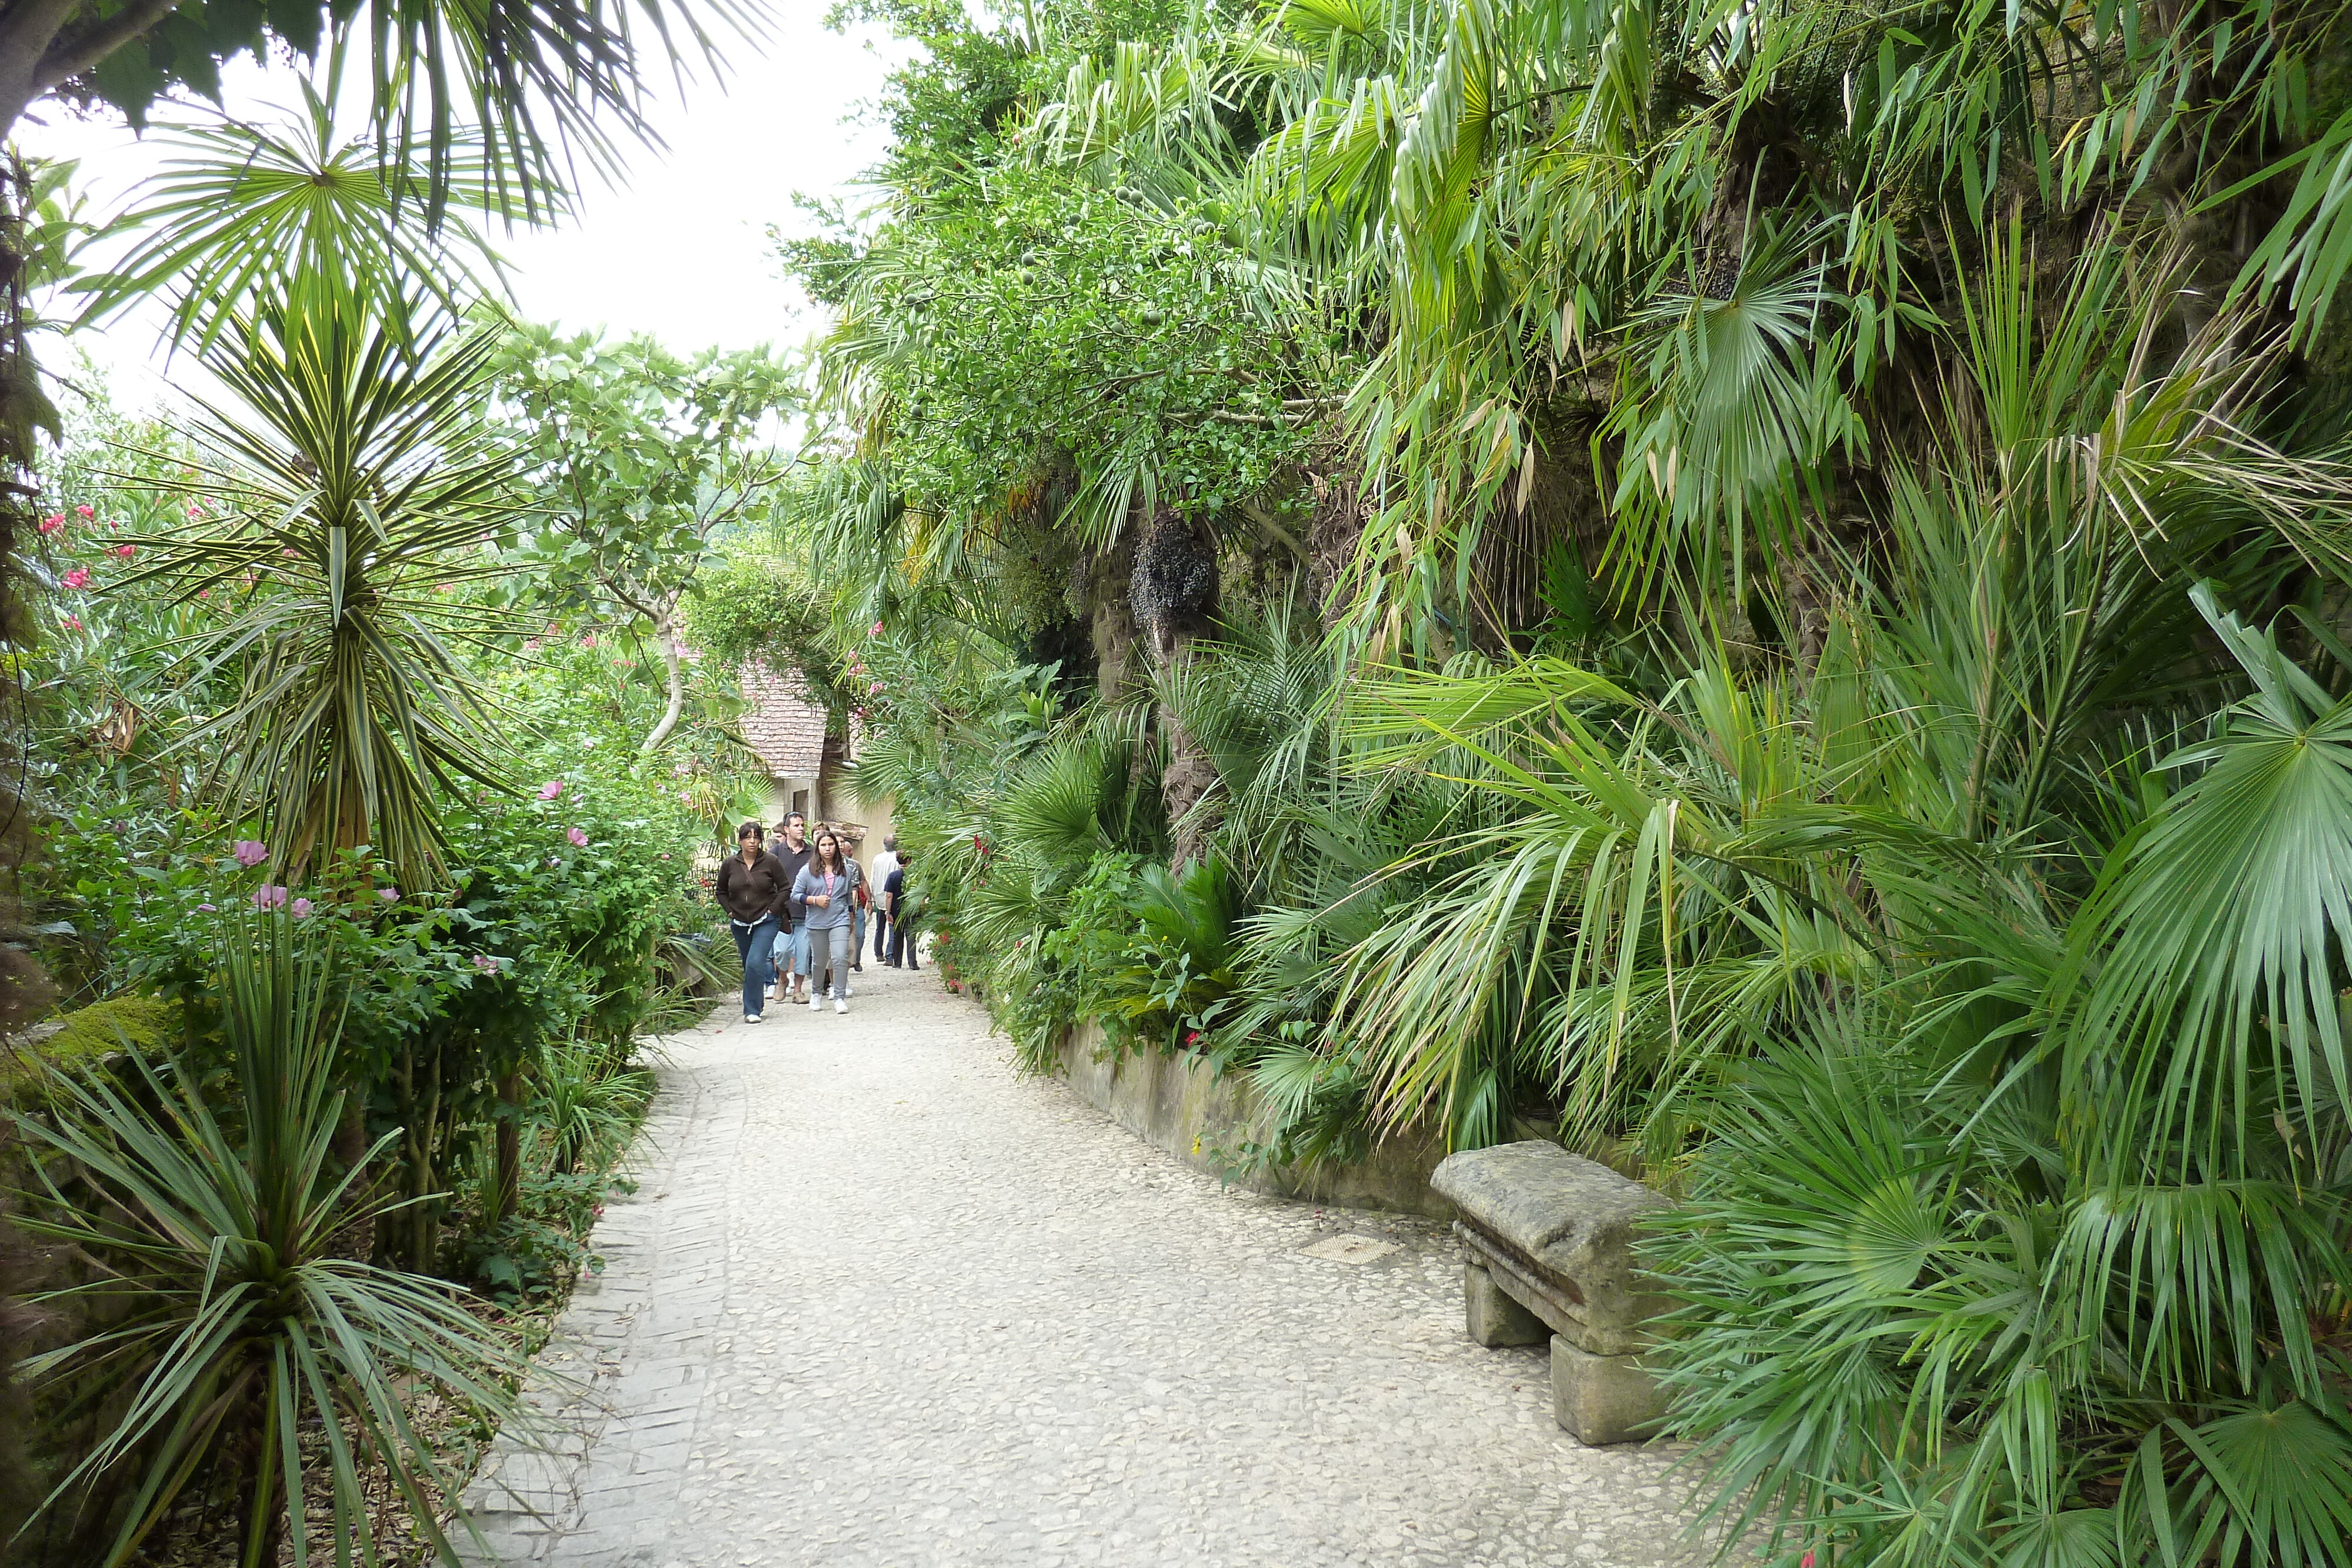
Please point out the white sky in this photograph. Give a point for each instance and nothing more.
(679, 249)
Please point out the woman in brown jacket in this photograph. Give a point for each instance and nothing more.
(751, 887)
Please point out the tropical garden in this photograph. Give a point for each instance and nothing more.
(1762, 590)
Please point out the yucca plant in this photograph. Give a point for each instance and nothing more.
(241, 1351)
(338, 511)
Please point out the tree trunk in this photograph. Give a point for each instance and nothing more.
(665, 628)
(509, 1196)
(1174, 592)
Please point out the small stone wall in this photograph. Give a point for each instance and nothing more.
(1180, 1104)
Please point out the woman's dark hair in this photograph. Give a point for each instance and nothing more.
(749, 831)
(840, 856)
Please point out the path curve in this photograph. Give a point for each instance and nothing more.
(879, 1300)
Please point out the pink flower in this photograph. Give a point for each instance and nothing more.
(302, 908)
(665, 855)
(204, 593)
(589, 641)
(208, 909)
(551, 789)
(530, 644)
(126, 551)
(196, 509)
(78, 577)
(1193, 1037)
(1808, 1562)
(288, 552)
(579, 840)
(683, 769)
(873, 690)
(876, 632)
(87, 512)
(53, 522)
(389, 894)
(73, 623)
(486, 964)
(270, 897)
(249, 853)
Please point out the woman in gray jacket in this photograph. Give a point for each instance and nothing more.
(826, 887)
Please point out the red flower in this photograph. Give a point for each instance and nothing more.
(78, 577)
(126, 551)
(53, 522)
(87, 511)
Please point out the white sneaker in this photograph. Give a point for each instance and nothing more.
(848, 991)
(840, 1005)
(815, 1001)
(750, 1017)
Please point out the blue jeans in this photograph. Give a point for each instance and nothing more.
(856, 934)
(754, 943)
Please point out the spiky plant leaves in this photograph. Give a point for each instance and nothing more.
(339, 504)
(241, 212)
(235, 1331)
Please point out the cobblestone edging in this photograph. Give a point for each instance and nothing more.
(614, 1395)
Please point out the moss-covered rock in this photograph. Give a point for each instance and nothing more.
(147, 1024)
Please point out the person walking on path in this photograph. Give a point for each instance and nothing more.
(791, 930)
(861, 897)
(823, 889)
(894, 900)
(884, 864)
(751, 887)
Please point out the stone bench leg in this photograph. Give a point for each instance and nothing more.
(1603, 1399)
(1492, 1317)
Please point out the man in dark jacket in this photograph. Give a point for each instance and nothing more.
(751, 887)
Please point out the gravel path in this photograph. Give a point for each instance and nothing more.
(878, 1300)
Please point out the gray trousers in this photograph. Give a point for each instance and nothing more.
(829, 947)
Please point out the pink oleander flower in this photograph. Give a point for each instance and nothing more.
(876, 630)
(126, 551)
(579, 840)
(665, 855)
(208, 909)
(551, 789)
(87, 511)
(875, 690)
(270, 897)
(73, 623)
(589, 641)
(389, 894)
(302, 908)
(530, 644)
(249, 853)
(196, 509)
(78, 577)
(53, 522)
(204, 593)
(683, 769)
(288, 552)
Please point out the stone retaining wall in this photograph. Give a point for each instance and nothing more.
(1180, 1104)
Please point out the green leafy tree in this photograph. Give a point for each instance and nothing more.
(634, 460)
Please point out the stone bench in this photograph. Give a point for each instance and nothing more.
(1547, 1243)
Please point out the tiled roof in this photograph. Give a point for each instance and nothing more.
(783, 726)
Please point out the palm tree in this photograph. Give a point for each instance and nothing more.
(340, 508)
(536, 84)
